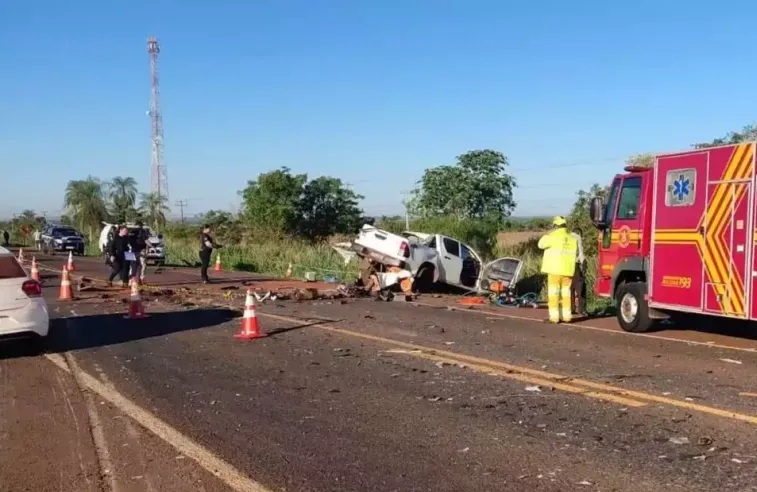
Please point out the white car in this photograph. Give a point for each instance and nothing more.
(23, 310)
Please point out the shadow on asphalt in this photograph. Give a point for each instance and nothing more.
(736, 328)
(100, 330)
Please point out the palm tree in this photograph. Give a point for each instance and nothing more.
(123, 195)
(154, 209)
(85, 201)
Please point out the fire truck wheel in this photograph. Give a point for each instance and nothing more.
(633, 311)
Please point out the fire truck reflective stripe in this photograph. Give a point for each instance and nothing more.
(713, 248)
(718, 257)
(632, 236)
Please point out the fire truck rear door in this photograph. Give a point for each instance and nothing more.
(728, 230)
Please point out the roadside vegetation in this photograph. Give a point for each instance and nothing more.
(287, 218)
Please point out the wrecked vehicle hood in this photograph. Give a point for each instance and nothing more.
(423, 236)
(345, 251)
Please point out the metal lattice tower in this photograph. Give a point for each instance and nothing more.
(159, 181)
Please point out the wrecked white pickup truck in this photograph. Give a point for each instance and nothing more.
(430, 258)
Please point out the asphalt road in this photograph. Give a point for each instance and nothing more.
(367, 396)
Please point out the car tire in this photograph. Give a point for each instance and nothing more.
(424, 279)
(633, 309)
(36, 344)
(385, 295)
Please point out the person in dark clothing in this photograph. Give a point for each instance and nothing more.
(207, 245)
(578, 291)
(6, 238)
(112, 233)
(119, 266)
(138, 245)
(578, 284)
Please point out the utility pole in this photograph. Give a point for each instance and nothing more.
(181, 204)
(407, 212)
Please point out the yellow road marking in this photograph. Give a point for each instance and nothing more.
(569, 384)
(596, 328)
(525, 374)
(485, 366)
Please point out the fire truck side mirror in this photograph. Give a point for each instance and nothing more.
(597, 211)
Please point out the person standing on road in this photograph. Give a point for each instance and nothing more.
(139, 248)
(206, 251)
(578, 285)
(38, 239)
(112, 233)
(118, 248)
(6, 238)
(559, 264)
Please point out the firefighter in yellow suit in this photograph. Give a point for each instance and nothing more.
(559, 264)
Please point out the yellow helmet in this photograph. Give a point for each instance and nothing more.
(559, 221)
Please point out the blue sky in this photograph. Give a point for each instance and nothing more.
(371, 92)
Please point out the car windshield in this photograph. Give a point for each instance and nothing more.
(65, 232)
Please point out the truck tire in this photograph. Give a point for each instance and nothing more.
(633, 310)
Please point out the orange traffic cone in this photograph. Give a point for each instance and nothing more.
(35, 270)
(21, 255)
(218, 268)
(70, 266)
(250, 326)
(136, 309)
(65, 286)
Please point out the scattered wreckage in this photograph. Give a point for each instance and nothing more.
(416, 261)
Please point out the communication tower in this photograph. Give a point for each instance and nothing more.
(159, 181)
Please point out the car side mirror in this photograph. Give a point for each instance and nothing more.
(160, 236)
(597, 212)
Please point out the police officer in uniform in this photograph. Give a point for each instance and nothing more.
(206, 251)
(559, 264)
(139, 247)
(117, 251)
(112, 233)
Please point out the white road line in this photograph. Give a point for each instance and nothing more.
(223, 470)
(96, 428)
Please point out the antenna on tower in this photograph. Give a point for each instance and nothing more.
(159, 181)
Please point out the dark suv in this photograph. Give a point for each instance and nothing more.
(64, 239)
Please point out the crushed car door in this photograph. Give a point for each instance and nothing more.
(471, 267)
(504, 270)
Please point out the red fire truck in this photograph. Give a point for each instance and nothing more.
(680, 237)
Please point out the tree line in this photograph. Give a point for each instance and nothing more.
(476, 189)
(90, 202)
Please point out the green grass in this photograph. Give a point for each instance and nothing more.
(270, 258)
